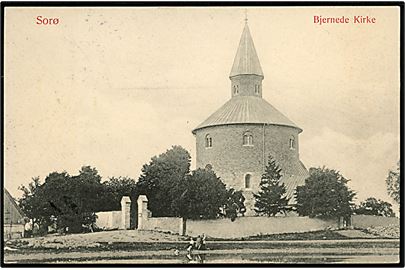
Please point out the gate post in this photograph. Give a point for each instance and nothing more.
(142, 211)
(125, 212)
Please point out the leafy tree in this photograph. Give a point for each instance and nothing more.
(161, 179)
(173, 191)
(202, 197)
(375, 207)
(70, 200)
(235, 204)
(117, 187)
(30, 200)
(325, 194)
(393, 185)
(271, 198)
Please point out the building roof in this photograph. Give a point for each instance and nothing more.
(292, 181)
(17, 213)
(247, 110)
(246, 60)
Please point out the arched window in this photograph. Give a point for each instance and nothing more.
(208, 141)
(208, 167)
(248, 183)
(247, 138)
(292, 142)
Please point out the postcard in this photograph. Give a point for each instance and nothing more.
(201, 133)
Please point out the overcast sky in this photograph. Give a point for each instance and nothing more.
(112, 87)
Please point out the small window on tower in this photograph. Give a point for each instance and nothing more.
(208, 141)
(236, 89)
(248, 183)
(292, 143)
(256, 89)
(247, 139)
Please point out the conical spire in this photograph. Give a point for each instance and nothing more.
(246, 60)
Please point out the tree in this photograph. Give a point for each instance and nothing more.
(235, 204)
(28, 202)
(162, 178)
(325, 194)
(117, 187)
(173, 191)
(203, 194)
(375, 207)
(393, 185)
(271, 198)
(71, 201)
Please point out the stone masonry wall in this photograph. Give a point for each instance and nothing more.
(365, 221)
(246, 84)
(108, 220)
(231, 160)
(250, 226)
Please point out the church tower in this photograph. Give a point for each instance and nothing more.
(246, 74)
(236, 140)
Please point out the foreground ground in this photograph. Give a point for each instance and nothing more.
(133, 246)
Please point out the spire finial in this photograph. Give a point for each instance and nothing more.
(246, 17)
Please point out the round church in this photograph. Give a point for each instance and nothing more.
(237, 139)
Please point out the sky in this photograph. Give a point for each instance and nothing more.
(112, 87)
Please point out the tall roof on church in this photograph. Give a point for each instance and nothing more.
(246, 60)
(247, 110)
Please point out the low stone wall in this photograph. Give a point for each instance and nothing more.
(225, 228)
(164, 224)
(116, 219)
(366, 221)
(160, 224)
(13, 231)
(250, 226)
(108, 220)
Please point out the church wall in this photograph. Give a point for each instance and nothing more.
(225, 228)
(231, 160)
(251, 226)
(108, 220)
(366, 221)
(164, 224)
(241, 227)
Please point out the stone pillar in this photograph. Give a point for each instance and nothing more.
(182, 226)
(125, 213)
(142, 212)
